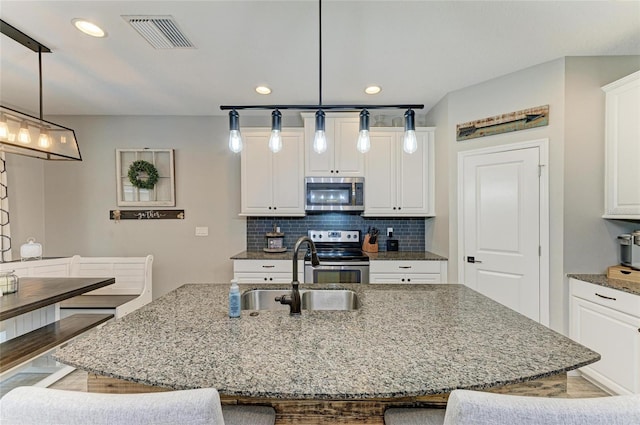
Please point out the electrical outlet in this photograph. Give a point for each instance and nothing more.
(389, 231)
(202, 231)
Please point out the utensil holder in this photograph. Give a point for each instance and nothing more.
(369, 247)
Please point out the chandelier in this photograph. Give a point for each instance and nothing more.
(363, 143)
(27, 135)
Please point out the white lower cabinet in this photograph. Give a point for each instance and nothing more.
(407, 272)
(266, 271)
(608, 322)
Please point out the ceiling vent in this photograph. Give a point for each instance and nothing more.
(161, 32)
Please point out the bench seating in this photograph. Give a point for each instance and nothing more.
(131, 291)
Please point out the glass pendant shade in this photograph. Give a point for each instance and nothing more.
(235, 139)
(275, 140)
(23, 134)
(44, 141)
(364, 142)
(4, 128)
(320, 139)
(410, 143)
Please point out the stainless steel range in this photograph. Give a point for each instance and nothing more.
(341, 258)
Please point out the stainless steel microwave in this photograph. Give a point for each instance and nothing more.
(334, 194)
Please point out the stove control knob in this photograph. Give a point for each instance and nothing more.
(348, 236)
(319, 236)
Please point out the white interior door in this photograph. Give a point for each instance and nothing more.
(501, 227)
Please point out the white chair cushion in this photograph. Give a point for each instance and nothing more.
(44, 406)
(481, 408)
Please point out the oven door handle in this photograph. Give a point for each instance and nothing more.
(338, 263)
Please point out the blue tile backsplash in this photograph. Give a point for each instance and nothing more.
(408, 231)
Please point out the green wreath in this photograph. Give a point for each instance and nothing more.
(139, 167)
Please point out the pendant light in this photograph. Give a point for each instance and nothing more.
(4, 128)
(275, 141)
(24, 136)
(320, 140)
(364, 143)
(235, 139)
(44, 141)
(16, 127)
(410, 143)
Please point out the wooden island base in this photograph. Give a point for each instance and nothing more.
(346, 412)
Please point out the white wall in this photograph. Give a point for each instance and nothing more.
(25, 181)
(590, 244)
(570, 87)
(79, 195)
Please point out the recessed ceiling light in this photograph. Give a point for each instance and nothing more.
(88, 28)
(263, 90)
(373, 90)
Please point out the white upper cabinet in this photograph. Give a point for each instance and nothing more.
(622, 148)
(341, 159)
(397, 183)
(272, 184)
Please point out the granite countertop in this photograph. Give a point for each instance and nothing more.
(603, 280)
(403, 341)
(383, 255)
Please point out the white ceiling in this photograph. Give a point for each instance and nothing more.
(416, 50)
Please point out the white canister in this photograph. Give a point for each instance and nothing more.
(31, 249)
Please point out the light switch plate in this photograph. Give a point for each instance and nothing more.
(202, 231)
(389, 231)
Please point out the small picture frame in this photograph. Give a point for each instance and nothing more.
(160, 163)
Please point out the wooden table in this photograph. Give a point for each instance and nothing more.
(39, 293)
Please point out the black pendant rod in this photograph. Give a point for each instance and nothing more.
(324, 107)
(342, 108)
(40, 78)
(319, 52)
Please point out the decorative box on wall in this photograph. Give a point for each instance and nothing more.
(145, 178)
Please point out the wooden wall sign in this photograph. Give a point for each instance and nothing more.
(118, 215)
(513, 121)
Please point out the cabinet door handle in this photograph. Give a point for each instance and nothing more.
(605, 297)
(404, 267)
(268, 267)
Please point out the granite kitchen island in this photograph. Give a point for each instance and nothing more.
(404, 342)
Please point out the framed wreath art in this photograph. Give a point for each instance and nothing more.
(143, 174)
(145, 177)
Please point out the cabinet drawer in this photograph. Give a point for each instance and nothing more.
(265, 266)
(612, 298)
(381, 266)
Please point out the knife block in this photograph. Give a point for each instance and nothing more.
(369, 247)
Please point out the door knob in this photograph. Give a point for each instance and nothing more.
(473, 260)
